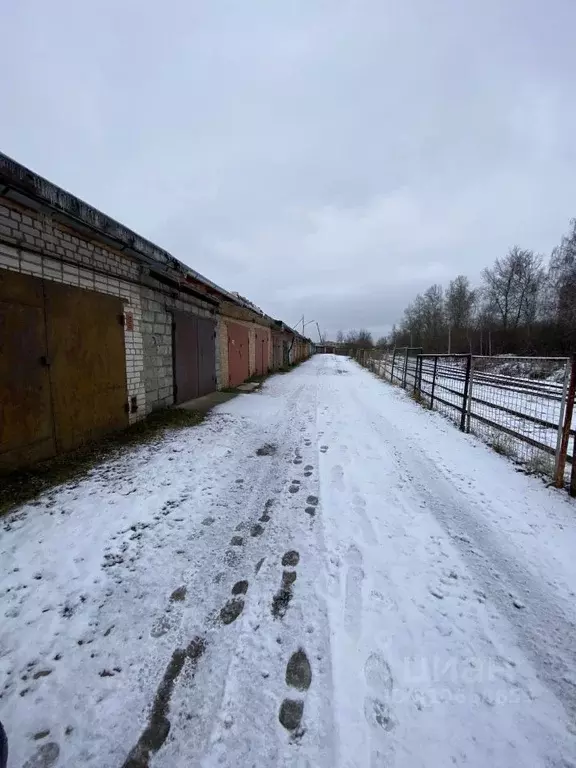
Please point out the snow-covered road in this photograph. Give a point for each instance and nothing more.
(321, 575)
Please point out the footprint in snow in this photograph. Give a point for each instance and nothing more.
(44, 757)
(231, 610)
(299, 671)
(377, 710)
(298, 676)
(338, 477)
(353, 593)
(290, 715)
(240, 588)
(291, 558)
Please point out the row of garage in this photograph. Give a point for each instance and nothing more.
(98, 326)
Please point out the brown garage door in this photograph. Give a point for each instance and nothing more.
(62, 368)
(206, 356)
(194, 356)
(277, 356)
(87, 363)
(26, 425)
(261, 340)
(238, 357)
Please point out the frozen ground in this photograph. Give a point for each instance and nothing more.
(322, 575)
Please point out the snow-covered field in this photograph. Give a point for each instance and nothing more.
(322, 575)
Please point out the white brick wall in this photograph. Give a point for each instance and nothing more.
(21, 260)
(40, 246)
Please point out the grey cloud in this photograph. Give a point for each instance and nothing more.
(327, 158)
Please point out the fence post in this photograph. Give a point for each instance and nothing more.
(420, 373)
(470, 389)
(562, 449)
(393, 364)
(405, 369)
(573, 474)
(433, 383)
(465, 396)
(417, 375)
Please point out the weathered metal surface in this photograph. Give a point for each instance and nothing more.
(194, 356)
(238, 354)
(26, 425)
(185, 357)
(206, 356)
(266, 353)
(261, 341)
(277, 351)
(87, 364)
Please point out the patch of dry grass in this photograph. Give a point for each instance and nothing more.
(24, 485)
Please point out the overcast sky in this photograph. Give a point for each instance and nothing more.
(322, 158)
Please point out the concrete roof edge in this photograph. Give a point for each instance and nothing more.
(80, 215)
(27, 184)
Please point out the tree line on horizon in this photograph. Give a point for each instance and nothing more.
(524, 304)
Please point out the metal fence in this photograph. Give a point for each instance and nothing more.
(521, 406)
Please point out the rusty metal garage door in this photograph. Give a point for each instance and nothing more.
(62, 368)
(266, 353)
(87, 362)
(238, 357)
(185, 350)
(26, 424)
(194, 356)
(206, 356)
(261, 341)
(277, 351)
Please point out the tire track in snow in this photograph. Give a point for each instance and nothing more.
(541, 624)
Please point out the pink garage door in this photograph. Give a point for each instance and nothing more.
(238, 358)
(261, 353)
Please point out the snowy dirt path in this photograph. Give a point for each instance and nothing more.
(322, 574)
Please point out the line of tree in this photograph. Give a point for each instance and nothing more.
(361, 339)
(525, 304)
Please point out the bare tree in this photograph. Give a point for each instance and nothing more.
(460, 300)
(413, 322)
(434, 317)
(361, 339)
(365, 340)
(512, 287)
(339, 337)
(351, 337)
(561, 282)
